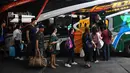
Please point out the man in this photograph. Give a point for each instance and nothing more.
(2, 38)
(40, 41)
(2, 32)
(31, 37)
(107, 41)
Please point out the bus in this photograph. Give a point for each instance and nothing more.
(78, 14)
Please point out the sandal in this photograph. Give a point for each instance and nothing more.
(56, 65)
(88, 66)
(52, 66)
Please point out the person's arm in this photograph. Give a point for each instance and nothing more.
(21, 37)
(14, 34)
(27, 36)
(90, 36)
(93, 44)
(53, 42)
(37, 45)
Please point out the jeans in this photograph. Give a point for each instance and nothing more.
(88, 54)
(70, 55)
(106, 51)
(95, 55)
(42, 52)
(17, 48)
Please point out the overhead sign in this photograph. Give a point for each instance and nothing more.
(109, 8)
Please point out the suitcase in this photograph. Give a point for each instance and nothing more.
(12, 51)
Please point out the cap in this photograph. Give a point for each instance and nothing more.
(41, 26)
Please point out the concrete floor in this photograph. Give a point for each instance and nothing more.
(115, 65)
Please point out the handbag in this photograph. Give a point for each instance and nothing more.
(68, 43)
(50, 48)
(58, 46)
(37, 61)
(100, 42)
(89, 44)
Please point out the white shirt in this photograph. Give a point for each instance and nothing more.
(17, 34)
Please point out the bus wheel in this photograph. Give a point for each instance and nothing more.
(127, 50)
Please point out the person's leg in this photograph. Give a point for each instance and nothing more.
(104, 52)
(107, 52)
(44, 53)
(41, 52)
(52, 61)
(17, 48)
(85, 57)
(90, 52)
(20, 53)
(85, 53)
(94, 55)
(55, 64)
(72, 55)
(88, 58)
(67, 64)
(31, 49)
(28, 50)
(69, 56)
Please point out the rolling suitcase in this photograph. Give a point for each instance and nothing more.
(12, 51)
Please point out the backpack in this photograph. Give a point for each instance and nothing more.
(88, 42)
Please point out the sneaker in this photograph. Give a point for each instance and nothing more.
(21, 58)
(74, 63)
(68, 65)
(17, 58)
(96, 61)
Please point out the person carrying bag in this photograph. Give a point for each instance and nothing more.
(38, 60)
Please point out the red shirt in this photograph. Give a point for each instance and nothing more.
(105, 36)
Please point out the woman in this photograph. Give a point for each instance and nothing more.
(96, 41)
(17, 36)
(88, 46)
(53, 42)
(71, 50)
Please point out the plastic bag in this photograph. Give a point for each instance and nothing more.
(82, 53)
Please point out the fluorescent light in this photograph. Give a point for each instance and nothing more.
(61, 16)
(25, 18)
(74, 16)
